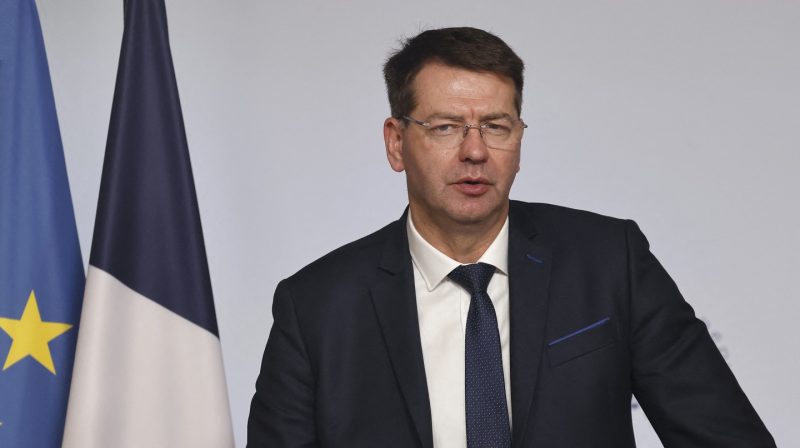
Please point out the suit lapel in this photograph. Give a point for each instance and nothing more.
(529, 260)
(394, 299)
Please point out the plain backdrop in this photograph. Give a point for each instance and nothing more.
(683, 115)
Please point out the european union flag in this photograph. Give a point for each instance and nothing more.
(41, 272)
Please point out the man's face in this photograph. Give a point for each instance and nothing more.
(462, 185)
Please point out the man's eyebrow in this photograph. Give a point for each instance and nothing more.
(444, 116)
(448, 116)
(496, 115)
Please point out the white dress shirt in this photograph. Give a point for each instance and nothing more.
(442, 307)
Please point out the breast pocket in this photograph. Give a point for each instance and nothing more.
(582, 341)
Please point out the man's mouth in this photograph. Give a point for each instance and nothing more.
(473, 180)
(472, 186)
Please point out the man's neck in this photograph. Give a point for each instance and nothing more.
(465, 243)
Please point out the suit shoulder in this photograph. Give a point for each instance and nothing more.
(549, 215)
(355, 258)
(594, 242)
(574, 227)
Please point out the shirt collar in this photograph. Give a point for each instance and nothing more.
(434, 265)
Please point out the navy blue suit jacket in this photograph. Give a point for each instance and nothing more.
(594, 319)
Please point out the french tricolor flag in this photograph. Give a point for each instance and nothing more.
(148, 367)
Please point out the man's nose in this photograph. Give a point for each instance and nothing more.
(473, 148)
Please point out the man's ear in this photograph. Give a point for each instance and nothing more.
(393, 139)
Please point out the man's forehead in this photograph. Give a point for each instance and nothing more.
(439, 72)
(452, 91)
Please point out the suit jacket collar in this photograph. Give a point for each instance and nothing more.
(393, 296)
(394, 299)
(530, 261)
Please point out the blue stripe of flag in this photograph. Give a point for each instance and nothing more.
(147, 232)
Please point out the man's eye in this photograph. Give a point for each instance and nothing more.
(444, 128)
(496, 128)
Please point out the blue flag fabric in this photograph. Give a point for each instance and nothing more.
(147, 232)
(41, 272)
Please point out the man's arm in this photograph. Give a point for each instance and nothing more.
(679, 377)
(282, 410)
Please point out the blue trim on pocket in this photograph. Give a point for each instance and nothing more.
(577, 332)
(532, 258)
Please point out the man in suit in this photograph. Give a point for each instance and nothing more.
(476, 321)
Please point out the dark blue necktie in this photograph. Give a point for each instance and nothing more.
(485, 392)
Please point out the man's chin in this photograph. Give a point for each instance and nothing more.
(458, 213)
(478, 216)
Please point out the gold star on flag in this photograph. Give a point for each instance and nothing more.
(30, 336)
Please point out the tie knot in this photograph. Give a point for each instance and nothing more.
(473, 277)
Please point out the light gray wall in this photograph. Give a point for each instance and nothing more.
(683, 115)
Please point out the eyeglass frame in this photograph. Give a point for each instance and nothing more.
(467, 126)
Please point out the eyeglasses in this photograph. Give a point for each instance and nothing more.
(502, 133)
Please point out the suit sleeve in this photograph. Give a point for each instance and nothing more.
(282, 410)
(679, 377)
